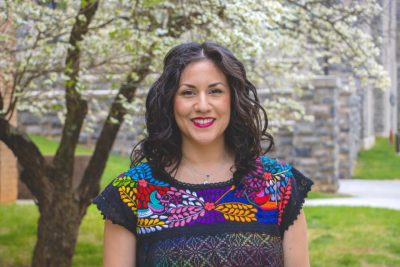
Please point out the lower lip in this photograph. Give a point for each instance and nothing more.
(205, 125)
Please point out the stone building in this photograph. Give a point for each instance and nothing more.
(386, 102)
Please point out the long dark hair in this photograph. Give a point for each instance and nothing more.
(247, 128)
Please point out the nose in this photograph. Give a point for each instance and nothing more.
(202, 105)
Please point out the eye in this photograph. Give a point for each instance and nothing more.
(216, 91)
(187, 92)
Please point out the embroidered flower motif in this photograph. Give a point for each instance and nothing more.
(170, 197)
(252, 186)
(267, 175)
(142, 183)
(209, 206)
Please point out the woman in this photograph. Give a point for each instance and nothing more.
(200, 191)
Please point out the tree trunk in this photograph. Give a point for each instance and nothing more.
(58, 229)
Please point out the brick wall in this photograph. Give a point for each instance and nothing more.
(8, 175)
(8, 163)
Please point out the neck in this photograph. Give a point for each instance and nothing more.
(204, 155)
(205, 163)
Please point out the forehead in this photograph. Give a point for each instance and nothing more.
(203, 71)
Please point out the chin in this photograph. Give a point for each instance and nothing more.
(205, 140)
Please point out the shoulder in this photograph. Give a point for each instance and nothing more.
(283, 174)
(274, 166)
(141, 173)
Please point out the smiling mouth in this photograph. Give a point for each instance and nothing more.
(203, 123)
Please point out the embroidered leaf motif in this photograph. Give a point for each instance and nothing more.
(238, 212)
(191, 197)
(183, 198)
(189, 209)
(143, 171)
(124, 181)
(285, 197)
(144, 222)
(150, 225)
(128, 196)
(182, 215)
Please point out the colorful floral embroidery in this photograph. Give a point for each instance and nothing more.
(260, 197)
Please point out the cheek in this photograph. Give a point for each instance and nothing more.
(179, 109)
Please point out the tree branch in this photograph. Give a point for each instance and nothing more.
(76, 105)
(1, 102)
(105, 23)
(89, 186)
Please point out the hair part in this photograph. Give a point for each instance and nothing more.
(248, 124)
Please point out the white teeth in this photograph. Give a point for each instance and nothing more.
(203, 121)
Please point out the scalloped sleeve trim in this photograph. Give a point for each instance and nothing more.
(112, 208)
(300, 186)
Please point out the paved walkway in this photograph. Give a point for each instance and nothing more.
(369, 193)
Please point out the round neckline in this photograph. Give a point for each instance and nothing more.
(165, 176)
(174, 181)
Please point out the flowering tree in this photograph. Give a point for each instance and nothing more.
(72, 46)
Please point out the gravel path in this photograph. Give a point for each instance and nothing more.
(368, 193)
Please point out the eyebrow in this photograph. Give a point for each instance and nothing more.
(210, 85)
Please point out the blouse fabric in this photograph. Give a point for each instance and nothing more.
(218, 224)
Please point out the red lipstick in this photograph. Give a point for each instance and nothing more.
(203, 122)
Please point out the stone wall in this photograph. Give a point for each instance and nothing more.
(386, 104)
(326, 148)
(367, 131)
(350, 122)
(314, 148)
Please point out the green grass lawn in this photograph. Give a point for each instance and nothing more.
(17, 239)
(348, 236)
(338, 236)
(49, 147)
(314, 195)
(379, 162)
(116, 164)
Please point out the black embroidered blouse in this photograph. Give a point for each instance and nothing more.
(220, 224)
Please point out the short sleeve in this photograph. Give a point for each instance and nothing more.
(292, 198)
(117, 203)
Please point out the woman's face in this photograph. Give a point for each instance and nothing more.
(202, 103)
